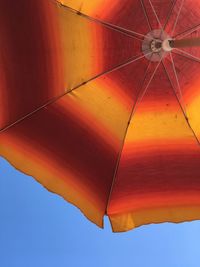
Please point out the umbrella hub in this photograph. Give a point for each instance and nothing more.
(156, 45)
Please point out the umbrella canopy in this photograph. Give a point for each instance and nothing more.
(100, 104)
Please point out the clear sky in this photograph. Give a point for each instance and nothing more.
(40, 229)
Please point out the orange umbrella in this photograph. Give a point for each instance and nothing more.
(99, 103)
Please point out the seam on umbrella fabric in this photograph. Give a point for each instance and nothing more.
(185, 116)
(114, 27)
(71, 90)
(137, 102)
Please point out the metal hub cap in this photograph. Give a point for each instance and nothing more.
(156, 45)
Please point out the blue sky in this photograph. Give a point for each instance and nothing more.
(38, 228)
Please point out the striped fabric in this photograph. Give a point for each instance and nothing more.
(86, 114)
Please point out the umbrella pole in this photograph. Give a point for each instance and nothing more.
(192, 42)
(158, 44)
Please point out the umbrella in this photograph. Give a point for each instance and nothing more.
(100, 104)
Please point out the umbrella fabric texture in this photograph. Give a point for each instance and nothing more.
(97, 112)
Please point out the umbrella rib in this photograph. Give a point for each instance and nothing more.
(145, 14)
(177, 18)
(177, 81)
(188, 31)
(135, 105)
(160, 25)
(186, 54)
(114, 27)
(140, 97)
(170, 13)
(136, 58)
(184, 114)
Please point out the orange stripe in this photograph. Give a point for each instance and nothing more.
(67, 183)
(127, 221)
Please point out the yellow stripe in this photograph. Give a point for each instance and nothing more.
(108, 109)
(91, 7)
(193, 110)
(162, 126)
(76, 46)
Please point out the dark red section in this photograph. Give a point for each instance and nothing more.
(117, 48)
(158, 12)
(130, 78)
(159, 173)
(187, 71)
(128, 14)
(27, 56)
(185, 15)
